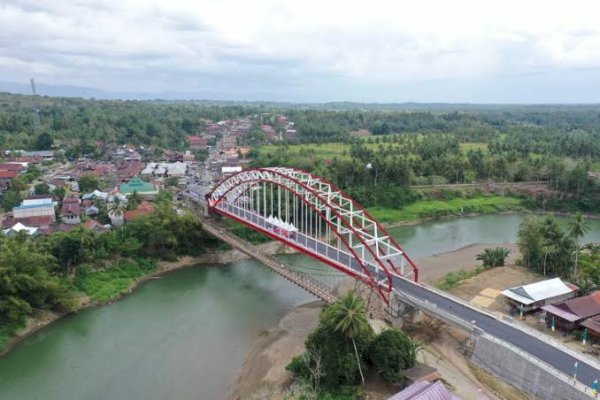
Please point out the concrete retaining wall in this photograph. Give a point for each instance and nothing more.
(522, 373)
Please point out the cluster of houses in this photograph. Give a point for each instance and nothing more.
(44, 215)
(285, 129)
(558, 302)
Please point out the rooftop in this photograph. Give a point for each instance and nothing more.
(538, 291)
(425, 391)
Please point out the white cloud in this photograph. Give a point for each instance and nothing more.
(158, 45)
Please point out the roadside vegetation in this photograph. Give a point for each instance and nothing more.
(552, 250)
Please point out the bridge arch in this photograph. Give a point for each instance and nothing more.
(313, 216)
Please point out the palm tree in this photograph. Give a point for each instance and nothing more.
(579, 227)
(349, 317)
(115, 210)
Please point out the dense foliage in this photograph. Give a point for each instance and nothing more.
(48, 272)
(551, 249)
(343, 346)
(392, 352)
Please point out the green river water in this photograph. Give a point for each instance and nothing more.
(185, 335)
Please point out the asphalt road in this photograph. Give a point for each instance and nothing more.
(535, 346)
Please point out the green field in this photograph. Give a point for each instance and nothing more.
(107, 285)
(436, 208)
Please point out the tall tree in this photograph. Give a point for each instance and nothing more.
(578, 228)
(348, 316)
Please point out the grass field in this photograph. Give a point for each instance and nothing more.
(106, 285)
(453, 279)
(436, 208)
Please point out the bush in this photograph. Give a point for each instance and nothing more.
(392, 352)
(495, 257)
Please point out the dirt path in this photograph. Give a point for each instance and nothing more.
(433, 268)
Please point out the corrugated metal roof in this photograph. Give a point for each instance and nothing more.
(538, 291)
(425, 391)
(561, 312)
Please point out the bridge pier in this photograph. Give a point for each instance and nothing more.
(401, 312)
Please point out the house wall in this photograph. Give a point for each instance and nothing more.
(34, 212)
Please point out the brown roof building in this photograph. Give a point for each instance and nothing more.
(569, 314)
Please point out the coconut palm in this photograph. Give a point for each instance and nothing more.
(349, 317)
(115, 209)
(579, 227)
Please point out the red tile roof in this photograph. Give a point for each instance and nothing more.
(11, 167)
(8, 174)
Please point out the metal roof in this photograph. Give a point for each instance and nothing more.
(538, 291)
(425, 391)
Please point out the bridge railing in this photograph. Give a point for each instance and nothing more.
(518, 325)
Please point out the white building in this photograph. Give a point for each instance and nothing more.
(35, 208)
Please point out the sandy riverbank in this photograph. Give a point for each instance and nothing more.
(263, 371)
(43, 319)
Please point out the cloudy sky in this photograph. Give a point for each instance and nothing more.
(310, 50)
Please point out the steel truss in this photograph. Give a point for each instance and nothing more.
(320, 212)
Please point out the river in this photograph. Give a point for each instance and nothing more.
(185, 335)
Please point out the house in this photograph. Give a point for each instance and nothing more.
(535, 295)
(43, 154)
(197, 142)
(18, 167)
(19, 227)
(425, 391)
(230, 170)
(71, 210)
(593, 327)
(228, 142)
(95, 195)
(7, 176)
(569, 314)
(421, 373)
(71, 213)
(188, 157)
(281, 120)
(270, 132)
(139, 186)
(35, 208)
(290, 134)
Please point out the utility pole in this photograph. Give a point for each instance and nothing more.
(36, 109)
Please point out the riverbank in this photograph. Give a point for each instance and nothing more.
(263, 372)
(43, 319)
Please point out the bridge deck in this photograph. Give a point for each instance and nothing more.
(550, 353)
(306, 282)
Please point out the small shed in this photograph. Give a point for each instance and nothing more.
(535, 295)
(421, 373)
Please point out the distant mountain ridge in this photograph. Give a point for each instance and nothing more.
(43, 89)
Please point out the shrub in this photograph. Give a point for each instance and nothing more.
(392, 352)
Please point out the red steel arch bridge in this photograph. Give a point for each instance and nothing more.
(318, 219)
(308, 213)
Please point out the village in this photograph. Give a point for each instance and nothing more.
(54, 194)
